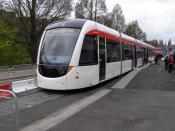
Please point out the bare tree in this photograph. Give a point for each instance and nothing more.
(118, 19)
(90, 9)
(135, 31)
(169, 43)
(34, 15)
(161, 43)
(105, 19)
(2, 4)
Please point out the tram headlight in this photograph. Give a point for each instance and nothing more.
(69, 69)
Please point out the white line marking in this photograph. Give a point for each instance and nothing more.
(57, 117)
(159, 70)
(146, 66)
(125, 81)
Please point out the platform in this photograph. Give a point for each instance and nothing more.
(146, 104)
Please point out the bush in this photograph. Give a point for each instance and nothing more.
(11, 52)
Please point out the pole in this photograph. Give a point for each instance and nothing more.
(95, 10)
(121, 53)
(91, 9)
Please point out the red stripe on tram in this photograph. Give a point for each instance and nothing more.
(112, 37)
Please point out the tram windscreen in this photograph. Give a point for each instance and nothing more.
(58, 45)
(57, 49)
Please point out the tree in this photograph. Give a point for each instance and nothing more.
(1, 5)
(90, 9)
(153, 42)
(34, 15)
(11, 52)
(169, 43)
(161, 43)
(105, 20)
(133, 29)
(9, 18)
(118, 19)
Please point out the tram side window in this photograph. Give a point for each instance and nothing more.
(139, 52)
(149, 53)
(113, 51)
(89, 52)
(127, 52)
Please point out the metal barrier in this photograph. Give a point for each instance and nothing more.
(4, 68)
(24, 70)
(6, 113)
(24, 85)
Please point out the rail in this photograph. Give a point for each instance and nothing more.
(9, 95)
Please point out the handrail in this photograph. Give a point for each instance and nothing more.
(14, 99)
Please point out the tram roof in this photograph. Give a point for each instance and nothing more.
(71, 23)
(79, 23)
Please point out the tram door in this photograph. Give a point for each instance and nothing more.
(102, 59)
(134, 58)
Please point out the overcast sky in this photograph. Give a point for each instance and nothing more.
(156, 17)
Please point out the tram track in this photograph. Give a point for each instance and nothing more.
(18, 78)
(31, 105)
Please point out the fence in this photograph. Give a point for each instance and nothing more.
(9, 120)
(21, 77)
(17, 72)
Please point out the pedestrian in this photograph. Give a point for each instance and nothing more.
(174, 58)
(171, 63)
(166, 62)
(156, 58)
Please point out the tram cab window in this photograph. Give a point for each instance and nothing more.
(113, 51)
(89, 52)
(127, 52)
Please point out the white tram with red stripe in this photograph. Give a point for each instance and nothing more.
(78, 53)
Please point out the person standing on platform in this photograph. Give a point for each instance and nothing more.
(166, 62)
(156, 58)
(171, 62)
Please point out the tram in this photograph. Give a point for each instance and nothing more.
(80, 53)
